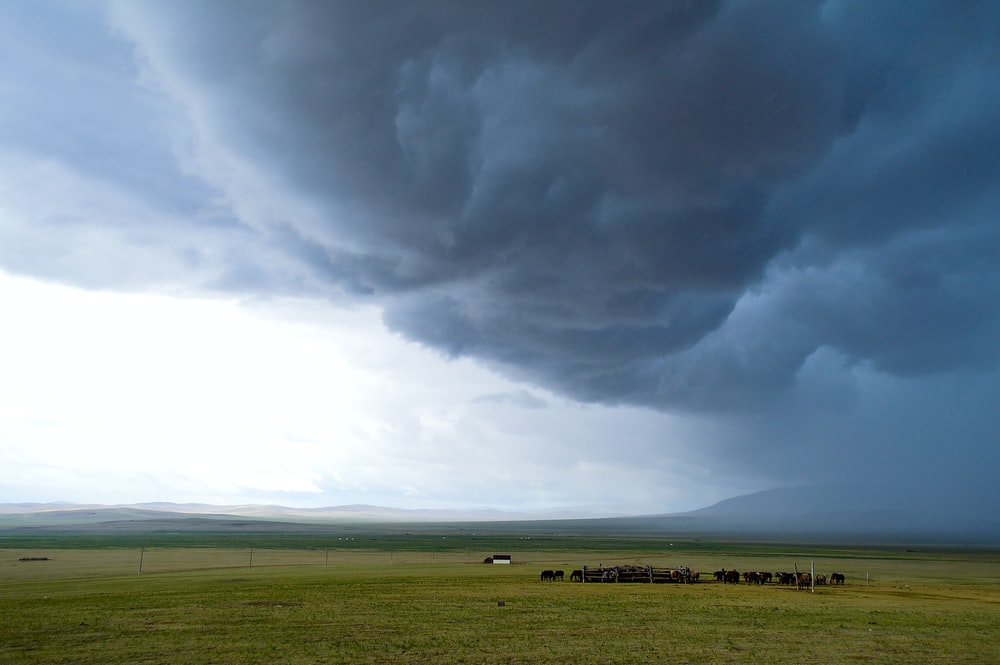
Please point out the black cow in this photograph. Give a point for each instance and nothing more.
(576, 576)
(836, 578)
(548, 575)
(558, 575)
(785, 578)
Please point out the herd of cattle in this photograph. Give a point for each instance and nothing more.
(791, 579)
(686, 575)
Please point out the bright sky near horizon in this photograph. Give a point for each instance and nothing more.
(125, 397)
(633, 258)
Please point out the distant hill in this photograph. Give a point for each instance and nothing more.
(855, 509)
(847, 513)
(67, 514)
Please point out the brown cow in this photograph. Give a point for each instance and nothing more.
(836, 578)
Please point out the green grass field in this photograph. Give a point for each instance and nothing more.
(435, 602)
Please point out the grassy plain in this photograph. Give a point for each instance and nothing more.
(429, 599)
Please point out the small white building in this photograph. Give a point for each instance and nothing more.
(501, 558)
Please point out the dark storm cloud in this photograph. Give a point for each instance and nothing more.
(656, 203)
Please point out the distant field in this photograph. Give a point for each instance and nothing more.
(436, 602)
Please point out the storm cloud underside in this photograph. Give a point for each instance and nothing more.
(585, 193)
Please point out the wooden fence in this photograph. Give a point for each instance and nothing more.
(643, 574)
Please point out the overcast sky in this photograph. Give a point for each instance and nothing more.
(633, 257)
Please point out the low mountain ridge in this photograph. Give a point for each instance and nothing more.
(842, 512)
(851, 508)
